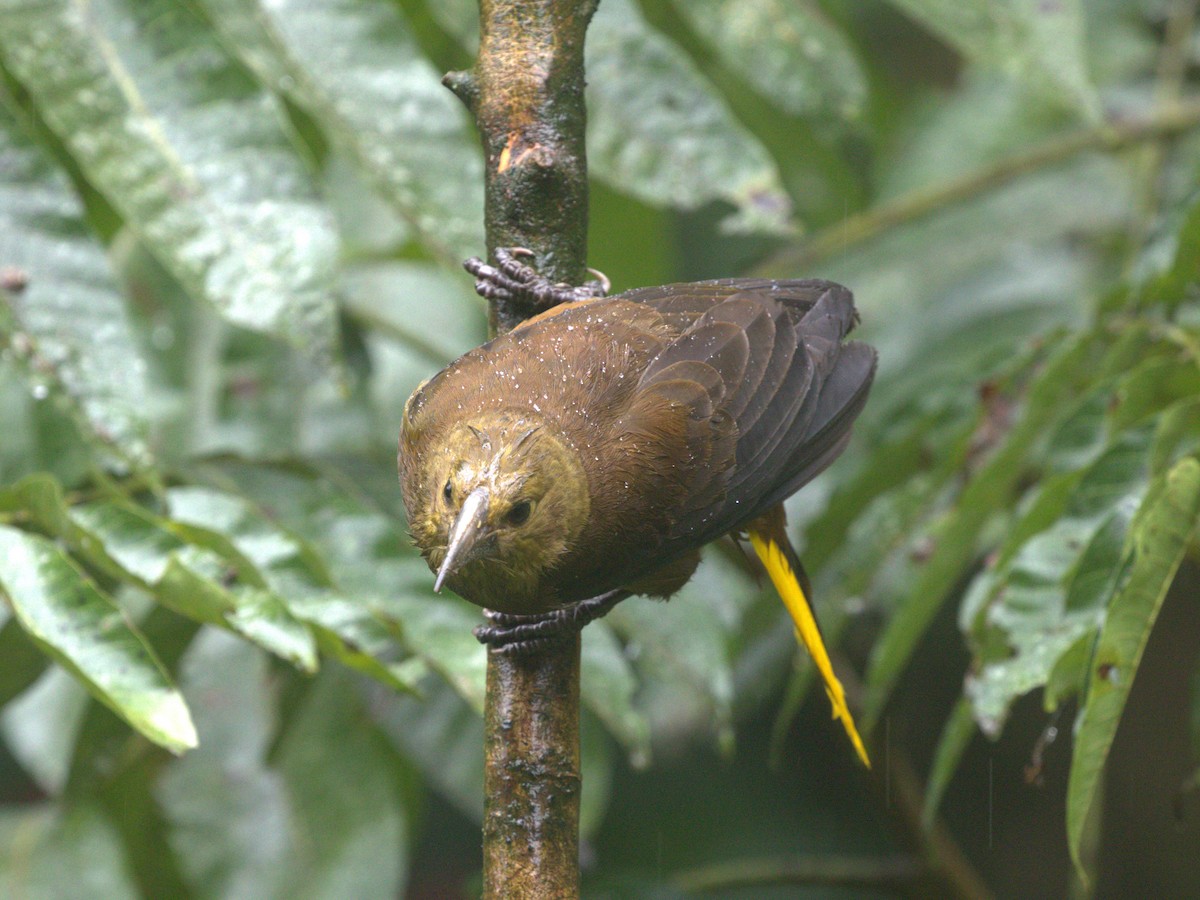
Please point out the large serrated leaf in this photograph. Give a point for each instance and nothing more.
(188, 148)
(1160, 536)
(85, 631)
(787, 49)
(658, 130)
(356, 68)
(62, 314)
(1027, 615)
(1042, 44)
(954, 539)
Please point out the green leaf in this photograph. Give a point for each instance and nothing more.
(40, 497)
(1152, 386)
(356, 68)
(353, 631)
(348, 824)
(283, 559)
(1041, 44)
(21, 662)
(188, 148)
(370, 560)
(956, 736)
(596, 763)
(67, 324)
(438, 629)
(47, 854)
(955, 537)
(682, 652)
(226, 809)
(608, 685)
(356, 636)
(421, 316)
(442, 734)
(657, 130)
(789, 51)
(85, 631)
(460, 18)
(1178, 434)
(149, 551)
(1026, 615)
(1173, 285)
(41, 726)
(314, 812)
(1159, 538)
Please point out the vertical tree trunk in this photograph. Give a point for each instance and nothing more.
(526, 93)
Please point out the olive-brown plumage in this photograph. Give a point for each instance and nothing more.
(597, 447)
(612, 438)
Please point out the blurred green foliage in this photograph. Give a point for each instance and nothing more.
(229, 232)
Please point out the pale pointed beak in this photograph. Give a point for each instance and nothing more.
(468, 529)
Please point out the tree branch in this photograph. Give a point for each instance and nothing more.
(897, 873)
(1110, 136)
(526, 93)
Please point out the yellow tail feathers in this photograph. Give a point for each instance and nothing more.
(775, 559)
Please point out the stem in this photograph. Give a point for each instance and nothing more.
(1173, 59)
(944, 860)
(891, 872)
(526, 92)
(1109, 136)
(531, 779)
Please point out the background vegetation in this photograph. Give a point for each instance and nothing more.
(229, 235)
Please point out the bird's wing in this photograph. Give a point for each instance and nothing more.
(791, 395)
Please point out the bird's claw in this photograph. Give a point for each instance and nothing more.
(512, 280)
(520, 635)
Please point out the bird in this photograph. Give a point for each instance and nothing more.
(588, 454)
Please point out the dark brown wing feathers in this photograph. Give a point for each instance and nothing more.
(792, 400)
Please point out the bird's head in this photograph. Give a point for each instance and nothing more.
(495, 505)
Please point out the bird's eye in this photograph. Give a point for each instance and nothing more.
(519, 514)
(448, 491)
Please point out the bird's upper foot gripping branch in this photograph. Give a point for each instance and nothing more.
(512, 280)
(526, 634)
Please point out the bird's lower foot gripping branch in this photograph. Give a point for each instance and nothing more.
(589, 454)
(527, 634)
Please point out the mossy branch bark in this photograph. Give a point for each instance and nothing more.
(526, 93)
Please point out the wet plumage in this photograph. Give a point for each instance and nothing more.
(601, 444)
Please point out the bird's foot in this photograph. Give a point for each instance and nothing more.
(511, 279)
(518, 635)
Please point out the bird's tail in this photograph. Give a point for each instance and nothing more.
(768, 535)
